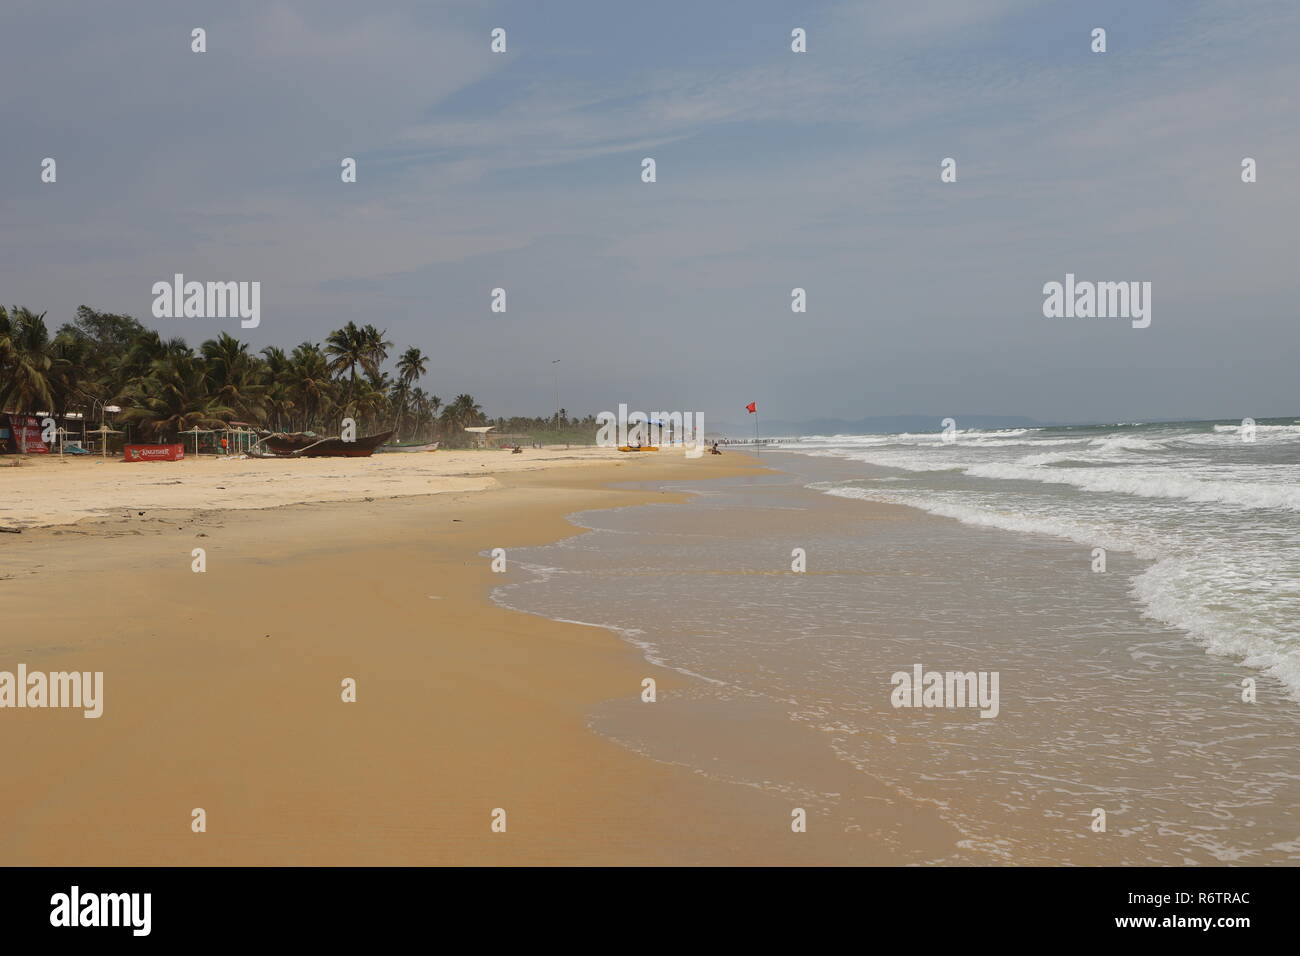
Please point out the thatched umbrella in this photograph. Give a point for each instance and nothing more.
(104, 430)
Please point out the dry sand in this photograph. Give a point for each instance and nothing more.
(222, 689)
(53, 489)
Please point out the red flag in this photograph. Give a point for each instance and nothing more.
(752, 407)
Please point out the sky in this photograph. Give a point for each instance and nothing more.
(775, 170)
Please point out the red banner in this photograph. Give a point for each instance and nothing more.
(26, 434)
(153, 452)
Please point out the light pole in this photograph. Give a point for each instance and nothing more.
(107, 409)
(554, 363)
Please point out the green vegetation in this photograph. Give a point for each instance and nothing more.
(165, 387)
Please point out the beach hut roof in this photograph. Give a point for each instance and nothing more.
(480, 429)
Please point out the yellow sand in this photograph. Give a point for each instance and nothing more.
(222, 689)
(48, 489)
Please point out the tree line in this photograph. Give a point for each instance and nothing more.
(164, 386)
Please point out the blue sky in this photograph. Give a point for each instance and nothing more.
(775, 170)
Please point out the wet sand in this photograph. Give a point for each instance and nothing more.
(1100, 706)
(222, 690)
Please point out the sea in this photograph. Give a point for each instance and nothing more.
(1135, 587)
(1214, 507)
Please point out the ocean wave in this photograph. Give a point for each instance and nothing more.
(1201, 593)
(1081, 532)
(1152, 483)
(1149, 480)
(1185, 593)
(1126, 443)
(1274, 429)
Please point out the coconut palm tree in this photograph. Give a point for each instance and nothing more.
(235, 376)
(412, 366)
(347, 349)
(410, 369)
(26, 362)
(71, 373)
(424, 408)
(372, 405)
(310, 386)
(374, 349)
(399, 396)
(174, 396)
(275, 374)
(462, 413)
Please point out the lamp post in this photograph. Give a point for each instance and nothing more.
(554, 363)
(110, 409)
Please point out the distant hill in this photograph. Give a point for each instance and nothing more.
(875, 425)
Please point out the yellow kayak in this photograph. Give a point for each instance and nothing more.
(638, 447)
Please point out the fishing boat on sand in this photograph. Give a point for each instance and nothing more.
(307, 445)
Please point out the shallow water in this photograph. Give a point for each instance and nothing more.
(1101, 707)
(1218, 516)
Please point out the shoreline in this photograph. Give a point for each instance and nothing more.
(1102, 706)
(222, 692)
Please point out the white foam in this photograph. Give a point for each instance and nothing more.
(1213, 595)
(1264, 429)
(1153, 483)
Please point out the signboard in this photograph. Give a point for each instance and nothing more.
(153, 452)
(26, 435)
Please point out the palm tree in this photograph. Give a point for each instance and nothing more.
(174, 396)
(234, 376)
(279, 401)
(399, 396)
(346, 349)
(425, 408)
(25, 362)
(310, 386)
(374, 349)
(372, 402)
(412, 365)
(410, 369)
(460, 414)
(71, 381)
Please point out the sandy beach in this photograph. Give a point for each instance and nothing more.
(222, 690)
(55, 489)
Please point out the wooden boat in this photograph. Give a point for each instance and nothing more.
(300, 445)
(638, 447)
(409, 446)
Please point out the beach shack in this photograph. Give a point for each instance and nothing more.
(26, 434)
(478, 435)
